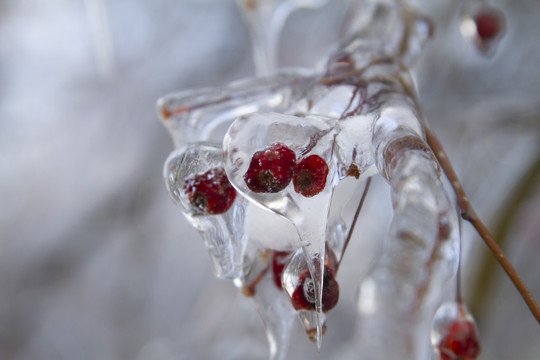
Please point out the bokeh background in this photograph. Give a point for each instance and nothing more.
(95, 260)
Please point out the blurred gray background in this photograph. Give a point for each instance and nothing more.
(95, 260)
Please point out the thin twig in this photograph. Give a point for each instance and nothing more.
(468, 213)
(522, 191)
(459, 296)
(356, 214)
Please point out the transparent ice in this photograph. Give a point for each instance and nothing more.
(265, 19)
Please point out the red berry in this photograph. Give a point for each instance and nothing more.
(460, 342)
(210, 193)
(487, 25)
(303, 297)
(281, 258)
(271, 169)
(310, 174)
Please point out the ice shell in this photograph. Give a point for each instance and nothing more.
(446, 313)
(222, 234)
(305, 135)
(251, 133)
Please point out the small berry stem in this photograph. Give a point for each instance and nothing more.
(355, 218)
(468, 213)
(459, 297)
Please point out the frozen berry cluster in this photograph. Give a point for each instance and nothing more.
(274, 167)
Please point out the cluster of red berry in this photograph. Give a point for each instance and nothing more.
(274, 167)
(270, 171)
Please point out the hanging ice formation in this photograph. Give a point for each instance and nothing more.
(256, 164)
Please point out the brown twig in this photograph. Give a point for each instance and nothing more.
(522, 191)
(468, 213)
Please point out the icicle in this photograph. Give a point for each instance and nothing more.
(299, 285)
(274, 307)
(265, 20)
(304, 136)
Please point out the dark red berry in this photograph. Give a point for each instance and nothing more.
(460, 342)
(271, 169)
(488, 25)
(281, 258)
(303, 297)
(310, 174)
(210, 193)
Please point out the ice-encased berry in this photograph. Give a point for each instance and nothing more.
(211, 192)
(460, 341)
(303, 297)
(310, 175)
(271, 169)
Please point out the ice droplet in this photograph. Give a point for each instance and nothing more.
(483, 25)
(454, 333)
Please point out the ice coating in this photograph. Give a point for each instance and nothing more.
(225, 245)
(388, 29)
(361, 117)
(399, 296)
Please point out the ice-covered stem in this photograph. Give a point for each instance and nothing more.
(204, 114)
(399, 297)
(468, 213)
(265, 20)
(419, 254)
